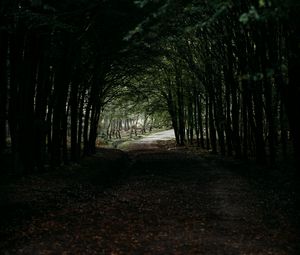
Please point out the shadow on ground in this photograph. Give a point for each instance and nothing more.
(147, 201)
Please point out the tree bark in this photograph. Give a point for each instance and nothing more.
(3, 88)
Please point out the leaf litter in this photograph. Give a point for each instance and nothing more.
(165, 202)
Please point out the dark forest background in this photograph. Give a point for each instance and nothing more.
(225, 71)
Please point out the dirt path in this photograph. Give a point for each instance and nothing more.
(153, 141)
(159, 136)
(167, 202)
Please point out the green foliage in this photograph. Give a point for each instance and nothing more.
(250, 16)
(262, 3)
(141, 3)
(127, 58)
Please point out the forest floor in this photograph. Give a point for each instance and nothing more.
(153, 198)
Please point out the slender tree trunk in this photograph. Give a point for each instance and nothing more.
(172, 112)
(190, 119)
(259, 131)
(244, 70)
(61, 89)
(219, 114)
(292, 91)
(95, 115)
(3, 87)
(212, 129)
(15, 50)
(207, 131)
(200, 121)
(283, 130)
(64, 136)
(74, 121)
(43, 91)
(196, 116)
(228, 114)
(86, 129)
(268, 89)
(180, 106)
(245, 117)
(234, 101)
(80, 122)
(258, 101)
(27, 85)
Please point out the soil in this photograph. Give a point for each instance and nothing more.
(152, 198)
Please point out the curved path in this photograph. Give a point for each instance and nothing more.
(166, 202)
(153, 141)
(159, 136)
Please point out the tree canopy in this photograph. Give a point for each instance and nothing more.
(225, 71)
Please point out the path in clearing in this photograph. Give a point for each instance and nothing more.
(152, 141)
(167, 202)
(159, 136)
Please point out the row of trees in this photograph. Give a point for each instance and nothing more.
(132, 114)
(228, 73)
(225, 70)
(56, 62)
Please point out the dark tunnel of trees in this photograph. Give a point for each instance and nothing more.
(225, 71)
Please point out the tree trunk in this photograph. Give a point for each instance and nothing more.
(42, 97)
(200, 121)
(3, 87)
(74, 121)
(212, 129)
(234, 100)
(80, 123)
(207, 131)
(292, 91)
(228, 113)
(86, 129)
(61, 89)
(268, 89)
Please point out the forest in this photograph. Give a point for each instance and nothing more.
(226, 73)
(222, 74)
